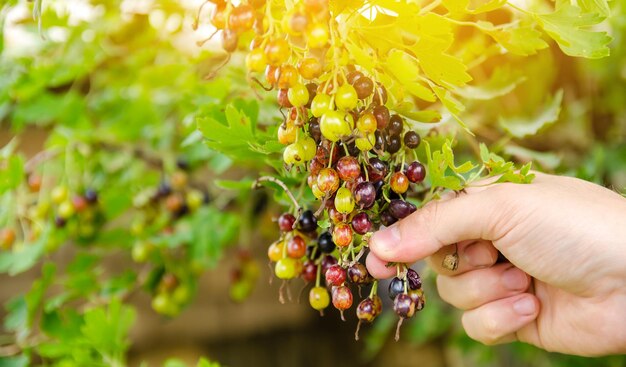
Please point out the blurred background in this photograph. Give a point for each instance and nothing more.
(131, 73)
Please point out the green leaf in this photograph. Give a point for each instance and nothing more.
(239, 185)
(568, 26)
(502, 82)
(547, 160)
(596, 6)
(24, 257)
(17, 361)
(107, 329)
(521, 127)
(11, 173)
(212, 230)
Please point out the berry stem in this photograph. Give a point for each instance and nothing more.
(257, 184)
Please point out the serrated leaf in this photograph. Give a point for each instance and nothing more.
(521, 127)
(107, 329)
(451, 104)
(523, 40)
(595, 6)
(569, 26)
(502, 82)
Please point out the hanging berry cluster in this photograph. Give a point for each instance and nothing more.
(359, 156)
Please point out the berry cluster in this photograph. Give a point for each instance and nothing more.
(338, 129)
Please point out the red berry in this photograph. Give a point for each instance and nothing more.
(296, 247)
(342, 235)
(286, 221)
(361, 223)
(416, 172)
(342, 298)
(335, 275)
(309, 271)
(399, 183)
(348, 168)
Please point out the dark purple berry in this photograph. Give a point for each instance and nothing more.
(307, 221)
(416, 172)
(404, 306)
(401, 209)
(395, 125)
(365, 195)
(358, 274)
(325, 242)
(412, 139)
(394, 144)
(396, 286)
(286, 221)
(387, 219)
(415, 282)
(361, 223)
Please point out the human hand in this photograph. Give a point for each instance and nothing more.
(564, 289)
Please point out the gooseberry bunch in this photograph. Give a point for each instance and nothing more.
(358, 154)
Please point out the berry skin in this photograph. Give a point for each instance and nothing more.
(317, 36)
(395, 125)
(293, 154)
(396, 287)
(270, 75)
(416, 172)
(325, 243)
(66, 209)
(277, 51)
(79, 203)
(366, 123)
(319, 298)
(59, 194)
(382, 116)
(366, 143)
(298, 95)
(404, 306)
(401, 209)
(328, 180)
(415, 282)
(309, 271)
(275, 251)
(342, 298)
(387, 219)
(287, 77)
(418, 298)
(287, 133)
(230, 39)
(286, 268)
(327, 262)
(218, 16)
(307, 221)
(361, 223)
(342, 235)
(141, 251)
(241, 18)
(358, 274)
(364, 87)
(283, 98)
(286, 221)
(377, 169)
(348, 168)
(346, 97)
(335, 275)
(296, 247)
(366, 310)
(344, 202)
(321, 104)
(309, 147)
(335, 124)
(412, 139)
(255, 60)
(34, 182)
(194, 199)
(394, 144)
(310, 68)
(365, 195)
(314, 129)
(399, 183)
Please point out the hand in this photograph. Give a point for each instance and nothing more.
(564, 289)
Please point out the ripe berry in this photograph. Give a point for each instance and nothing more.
(404, 306)
(366, 310)
(380, 95)
(34, 182)
(310, 68)
(230, 39)
(344, 202)
(270, 75)
(395, 125)
(396, 287)
(287, 77)
(346, 97)
(218, 16)
(307, 221)
(285, 268)
(286, 221)
(241, 18)
(365, 195)
(319, 298)
(275, 251)
(361, 223)
(387, 219)
(283, 98)
(412, 139)
(377, 169)
(328, 180)
(401, 209)
(348, 168)
(342, 298)
(335, 275)
(358, 274)
(394, 144)
(364, 87)
(415, 282)
(79, 203)
(314, 129)
(296, 23)
(296, 247)
(309, 271)
(416, 172)
(418, 298)
(325, 243)
(342, 235)
(327, 262)
(91, 196)
(399, 183)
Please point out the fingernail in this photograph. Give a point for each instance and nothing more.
(525, 306)
(386, 239)
(514, 279)
(477, 256)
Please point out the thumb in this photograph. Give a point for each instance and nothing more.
(480, 214)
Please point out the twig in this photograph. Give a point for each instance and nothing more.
(257, 184)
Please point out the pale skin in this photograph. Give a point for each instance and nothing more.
(564, 289)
